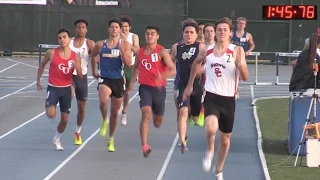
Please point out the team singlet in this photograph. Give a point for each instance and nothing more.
(222, 75)
(60, 71)
(83, 52)
(150, 66)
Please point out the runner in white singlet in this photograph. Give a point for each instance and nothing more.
(83, 47)
(224, 63)
(133, 39)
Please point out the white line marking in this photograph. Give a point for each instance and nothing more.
(79, 148)
(259, 143)
(24, 92)
(24, 64)
(27, 122)
(9, 67)
(166, 162)
(252, 92)
(21, 125)
(18, 90)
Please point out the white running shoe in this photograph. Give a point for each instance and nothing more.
(123, 119)
(58, 145)
(207, 160)
(219, 176)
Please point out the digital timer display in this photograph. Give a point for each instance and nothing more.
(289, 12)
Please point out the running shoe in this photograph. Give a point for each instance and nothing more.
(58, 145)
(123, 119)
(219, 176)
(104, 128)
(207, 160)
(146, 150)
(110, 145)
(183, 148)
(190, 121)
(77, 139)
(200, 121)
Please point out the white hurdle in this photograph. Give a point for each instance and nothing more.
(282, 54)
(257, 54)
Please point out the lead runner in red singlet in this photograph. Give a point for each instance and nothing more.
(154, 65)
(63, 61)
(224, 62)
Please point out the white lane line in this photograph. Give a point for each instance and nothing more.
(166, 162)
(80, 148)
(24, 63)
(9, 67)
(18, 90)
(252, 92)
(27, 122)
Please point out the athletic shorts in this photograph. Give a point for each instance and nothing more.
(117, 86)
(176, 83)
(223, 107)
(80, 87)
(61, 95)
(193, 101)
(155, 97)
(128, 75)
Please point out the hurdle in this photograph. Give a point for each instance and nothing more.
(45, 46)
(282, 54)
(257, 54)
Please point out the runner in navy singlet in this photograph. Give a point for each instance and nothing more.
(112, 54)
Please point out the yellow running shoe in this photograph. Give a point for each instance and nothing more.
(200, 121)
(104, 128)
(77, 139)
(190, 121)
(110, 145)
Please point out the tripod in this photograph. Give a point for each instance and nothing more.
(313, 105)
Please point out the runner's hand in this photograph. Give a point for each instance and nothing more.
(96, 75)
(39, 86)
(160, 77)
(187, 92)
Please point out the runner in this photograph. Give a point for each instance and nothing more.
(113, 55)
(153, 65)
(133, 39)
(209, 34)
(83, 47)
(209, 38)
(63, 61)
(243, 38)
(184, 55)
(224, 62)
(200, 37)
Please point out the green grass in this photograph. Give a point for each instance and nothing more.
(273, 116)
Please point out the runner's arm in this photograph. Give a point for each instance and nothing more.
(95, 57)
(168, 61)
(78, 66)
(173, 52)
(125, 50)
(241, 63)
(196, 66)
(136, 43)
(251, 43)
(91, 45)
(135, 70)
(47, 57)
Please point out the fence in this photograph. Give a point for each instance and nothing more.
(23, 27)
